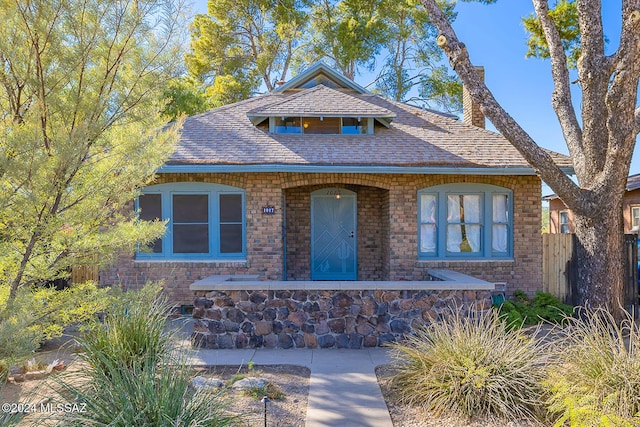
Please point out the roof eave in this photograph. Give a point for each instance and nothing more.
(315, 69)
(373, 169)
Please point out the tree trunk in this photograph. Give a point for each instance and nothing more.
(600, 256)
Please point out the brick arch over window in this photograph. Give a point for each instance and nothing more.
(465, 221)
(292, 180)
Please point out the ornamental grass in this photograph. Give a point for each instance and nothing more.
(595, 377)
(472, 368)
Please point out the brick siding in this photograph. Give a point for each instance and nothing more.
(387, 232)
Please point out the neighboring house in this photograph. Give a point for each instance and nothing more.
(561, 218)
(322, 180)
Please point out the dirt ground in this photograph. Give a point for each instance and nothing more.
(36, 396)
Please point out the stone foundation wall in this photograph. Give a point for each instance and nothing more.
(320, 318)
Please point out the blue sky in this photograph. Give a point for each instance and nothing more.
(496, 39)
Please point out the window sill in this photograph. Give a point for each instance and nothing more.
(189, 261)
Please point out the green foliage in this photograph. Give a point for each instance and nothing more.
(244, 42)
(595, 377)
(136, 377)
(81, 129)
(184, 97)
(471, 368)
(133, 333)
(271, 390)
(565, 17)
(544, 307)
(39, 313)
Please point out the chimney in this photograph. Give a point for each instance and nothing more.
(471, 113)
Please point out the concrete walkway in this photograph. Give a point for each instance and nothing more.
(343, 389)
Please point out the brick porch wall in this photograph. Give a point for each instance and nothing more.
(387, 231)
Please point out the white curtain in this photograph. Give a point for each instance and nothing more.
(427, 238)
(472, 215)
(454, 231)
(500, 223)
(428, 213)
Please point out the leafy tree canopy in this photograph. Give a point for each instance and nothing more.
(80, 129)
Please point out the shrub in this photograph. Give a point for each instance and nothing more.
(133, 332)
(471, 368)
(135, 376)
(524, 311)
(595, 378)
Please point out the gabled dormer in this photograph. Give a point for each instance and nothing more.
(321, 101)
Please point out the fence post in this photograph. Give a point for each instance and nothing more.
(631, 272)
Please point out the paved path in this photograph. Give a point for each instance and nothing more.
(343, 389)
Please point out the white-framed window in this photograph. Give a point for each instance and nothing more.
(465, 221)
(564, 222)
(204, 221)
(635, 218)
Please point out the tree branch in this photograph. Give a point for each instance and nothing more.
(561, 97)
(594, 79)
(538, 158)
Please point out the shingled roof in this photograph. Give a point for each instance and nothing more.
(321, 101)
(415, 138)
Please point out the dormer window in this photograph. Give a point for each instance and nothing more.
(321, 125)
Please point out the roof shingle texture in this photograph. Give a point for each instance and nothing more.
(416, 137)
(321, 101)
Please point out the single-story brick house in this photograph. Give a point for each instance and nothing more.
(322, 181)
(561, 218)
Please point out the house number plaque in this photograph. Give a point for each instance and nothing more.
(268, 210)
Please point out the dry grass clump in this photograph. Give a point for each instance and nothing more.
(595, 377)
(472, 368)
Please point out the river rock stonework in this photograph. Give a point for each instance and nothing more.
(320, 318)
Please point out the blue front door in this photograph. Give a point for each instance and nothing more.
(333, 234)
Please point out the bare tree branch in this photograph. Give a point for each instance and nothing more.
(538, 158)
(561, 97)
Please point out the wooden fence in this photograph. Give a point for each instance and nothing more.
(560, 267)
(82, 273)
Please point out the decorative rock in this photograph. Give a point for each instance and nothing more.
(203, 302)
(326, 341)
(342, 341)
(216, 327)
(299, 296)
(310, 340)
(270, 314)
(322, 327)
(285, 340)
(270, 341)
(249, 383)
(264, 328)
(297, 317)
(257, 297)
(337, 326)
(341, 299)
(236, 315)
(298, 340)
(323, 318)
(226, 342)
(400, 326)
(200, 383)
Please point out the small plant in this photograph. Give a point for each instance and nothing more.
(272, 391)
(524, 311)
(33, 365)
(471, 368)
(595, 377)
(136, 377)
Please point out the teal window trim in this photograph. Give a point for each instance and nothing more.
(486, 191)
(213, 192)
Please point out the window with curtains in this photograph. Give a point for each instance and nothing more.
(204, 221)
(465, 221)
